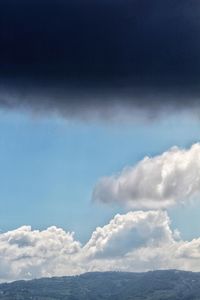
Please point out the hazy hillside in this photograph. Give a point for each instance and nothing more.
(111, 285)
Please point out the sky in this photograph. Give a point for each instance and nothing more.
(49, 166)
(99, 136)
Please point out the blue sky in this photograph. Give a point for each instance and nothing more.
(49, 166)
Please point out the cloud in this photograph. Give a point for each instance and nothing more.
(100, 59)
(127, 232)
(26, 253)
(136, 241)
(158, 182)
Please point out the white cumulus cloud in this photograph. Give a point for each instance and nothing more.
(127, 232)
(26, 253)
(136, 241)
(154, 183)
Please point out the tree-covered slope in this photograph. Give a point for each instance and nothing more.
(169, 285)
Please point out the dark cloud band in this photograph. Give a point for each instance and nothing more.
(68, 55)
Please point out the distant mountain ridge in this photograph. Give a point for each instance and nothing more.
(154, 285)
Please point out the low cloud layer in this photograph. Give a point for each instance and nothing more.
(158, 182)
(102, 58)
(137, 241)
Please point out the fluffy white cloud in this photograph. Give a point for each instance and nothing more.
(127, 232)
(153, 183)
(27, 254)
(136, 241)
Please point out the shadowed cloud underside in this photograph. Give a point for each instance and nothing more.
(100, 58)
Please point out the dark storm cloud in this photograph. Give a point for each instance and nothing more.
(83, 57)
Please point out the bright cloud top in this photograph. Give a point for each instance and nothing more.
(154, 183)
(136, 241)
